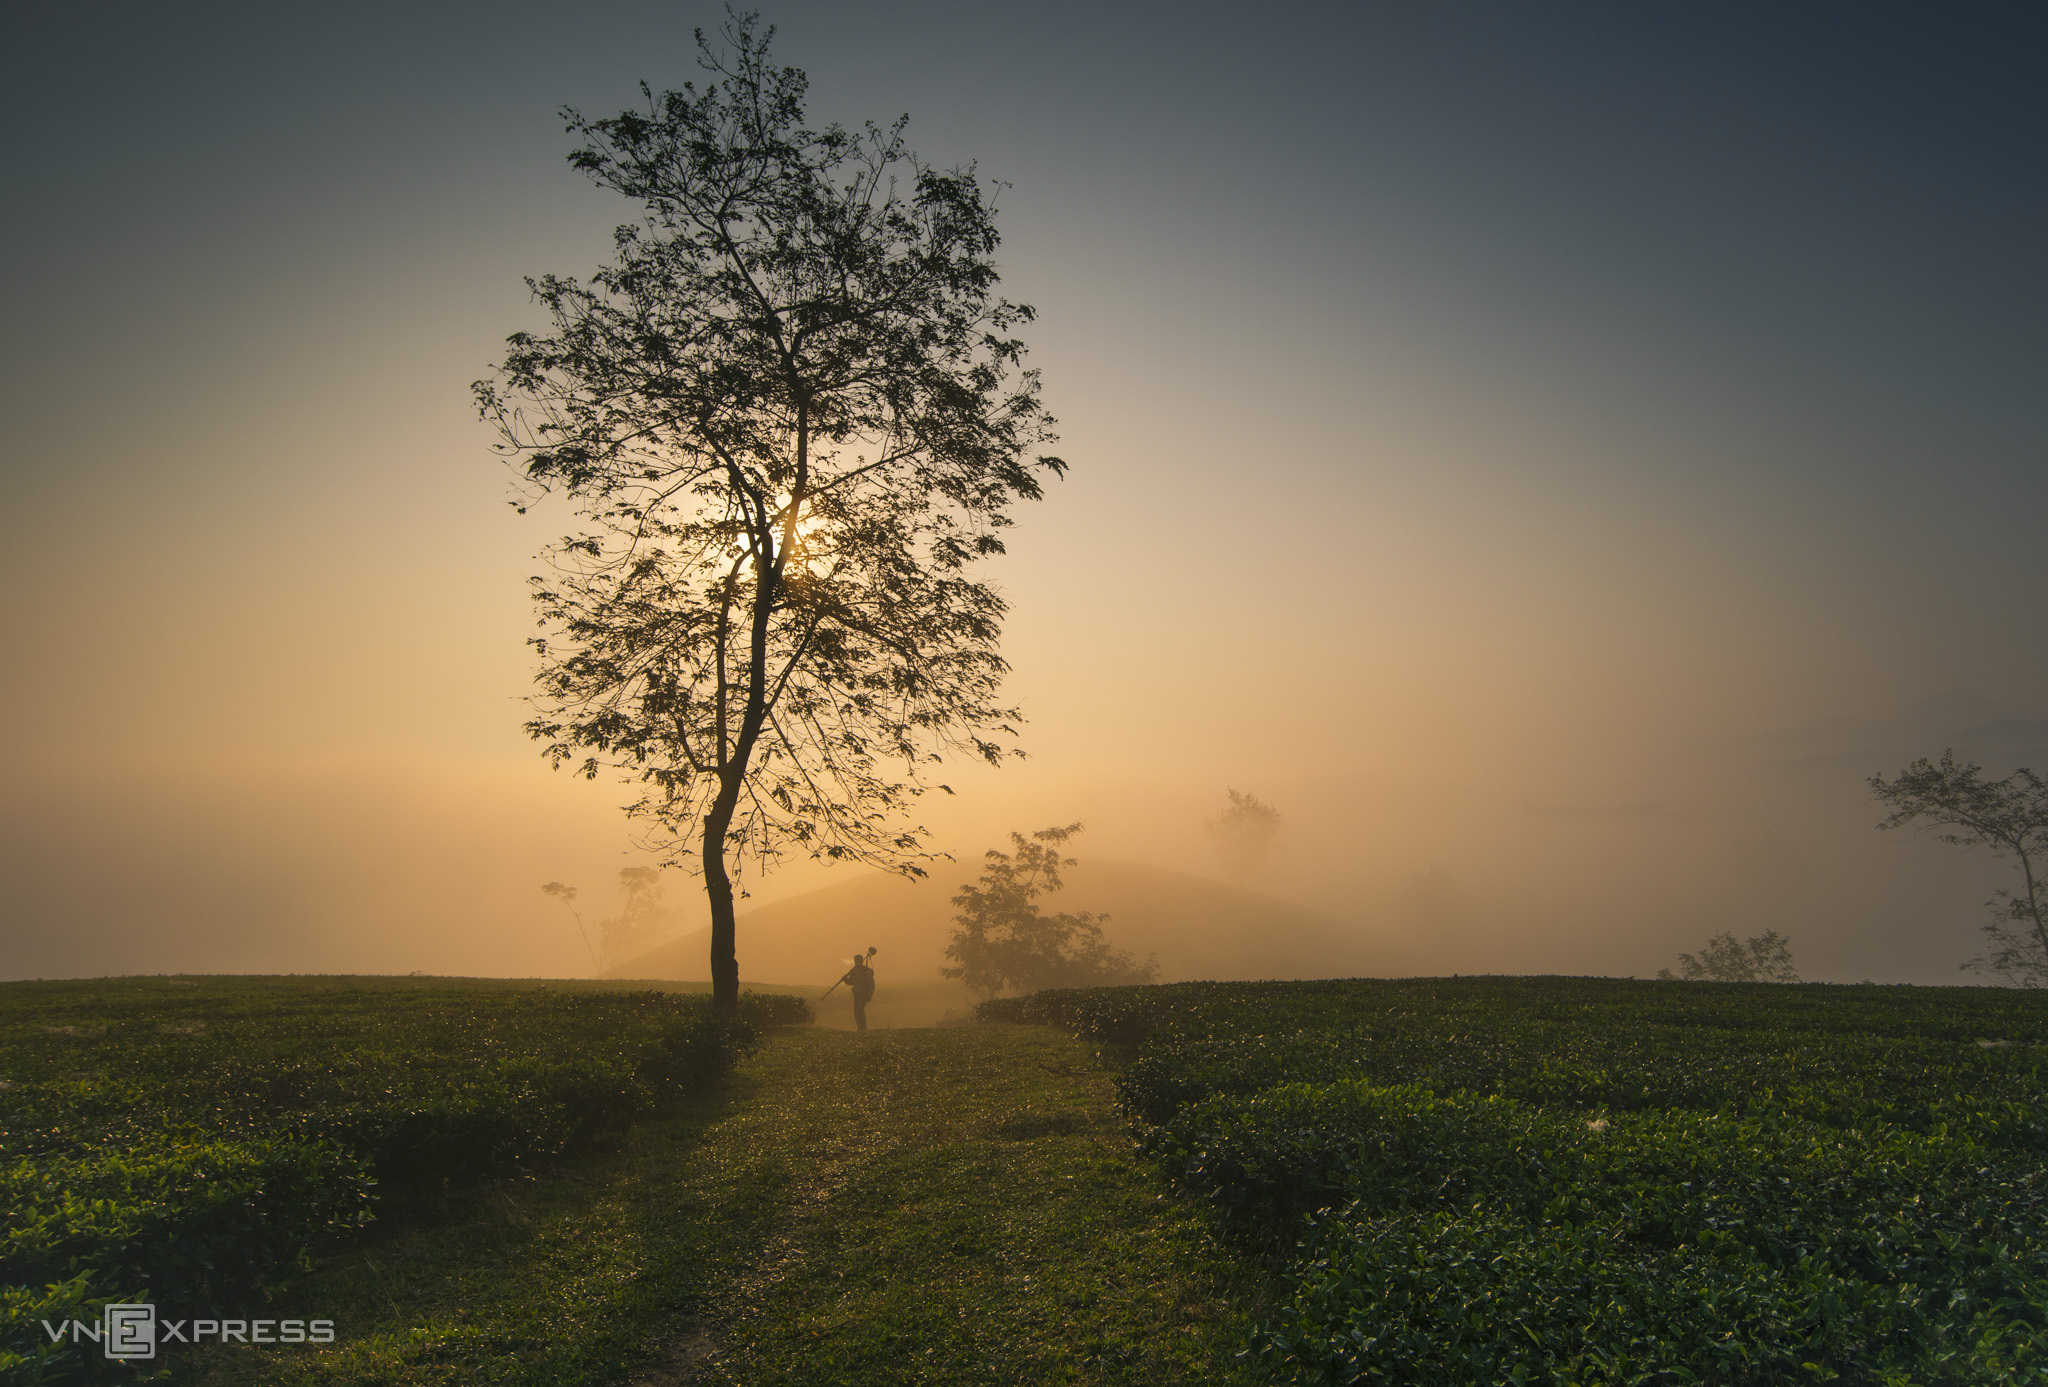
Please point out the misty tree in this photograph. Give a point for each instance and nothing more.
(1765, 957)
(791, 416)
(1246, 828)
(2008, 816)
(567, 896)
(641, 917)
(1001, 939)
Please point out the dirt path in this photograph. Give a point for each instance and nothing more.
(955, 1206)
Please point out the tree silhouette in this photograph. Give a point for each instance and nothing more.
(1246, 830)
(640, 916)
(1765, 957)
(791, 416)
(2010, 817)
(567, 896)
(1002, 939)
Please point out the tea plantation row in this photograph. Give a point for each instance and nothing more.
(190, 1143)
(1580, 1181)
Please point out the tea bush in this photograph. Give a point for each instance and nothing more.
(188, 1143)
(1596, 1181)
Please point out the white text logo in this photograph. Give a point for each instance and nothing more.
(134, 1331)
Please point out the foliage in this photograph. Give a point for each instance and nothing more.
(791, 416)
(1600, 1181)
(2009, 816)
(1001, 939)
(190, 1144)
(1765, 957)
(1246, 830)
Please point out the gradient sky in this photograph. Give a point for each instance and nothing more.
(1497, 430)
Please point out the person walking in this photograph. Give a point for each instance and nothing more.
(861, 978)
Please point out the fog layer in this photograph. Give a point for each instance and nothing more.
(1553, 458)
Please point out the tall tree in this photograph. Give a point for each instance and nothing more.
(2010, 817)
(791, 416)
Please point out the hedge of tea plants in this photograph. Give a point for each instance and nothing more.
(1579, 1181)
(191, 1142)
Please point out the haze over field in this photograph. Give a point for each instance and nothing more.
(1554, 456)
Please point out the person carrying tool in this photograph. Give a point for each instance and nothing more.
(861, 978)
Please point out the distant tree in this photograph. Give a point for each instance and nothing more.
(567, 896)
(791, 416)
(1246, 829)
(1765, 957)
(641, 918)
(2010, 817)
(1002, 940)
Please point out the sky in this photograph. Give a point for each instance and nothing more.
(1553, 453)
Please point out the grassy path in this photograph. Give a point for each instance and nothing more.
(911, 1206)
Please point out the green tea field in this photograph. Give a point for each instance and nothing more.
(194, 1143)
(1566, 1181)
(1595, 1181)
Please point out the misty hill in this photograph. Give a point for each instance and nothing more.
(1196, 927)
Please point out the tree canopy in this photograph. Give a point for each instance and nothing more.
(1001, 939)
(2008, 816)
(790, 415)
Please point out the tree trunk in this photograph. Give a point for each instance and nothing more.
(2034, 905)
(725, 964)
(732, 771)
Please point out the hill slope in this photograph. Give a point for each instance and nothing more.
(1197, 928)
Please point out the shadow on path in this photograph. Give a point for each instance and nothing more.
(956, 1206)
